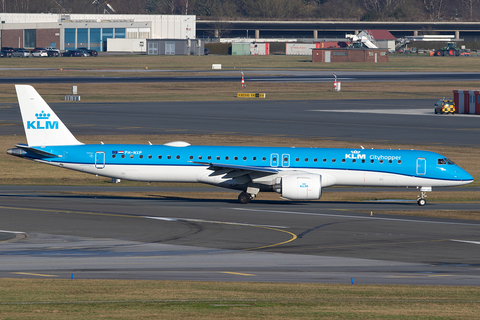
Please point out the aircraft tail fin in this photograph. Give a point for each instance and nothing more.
(42, 126)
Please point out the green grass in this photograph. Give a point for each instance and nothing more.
(236, 63)
(124, 299)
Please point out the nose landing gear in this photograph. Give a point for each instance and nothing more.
(423, 194)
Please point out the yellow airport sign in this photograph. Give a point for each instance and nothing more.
(251, 95)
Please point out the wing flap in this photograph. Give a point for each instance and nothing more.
(222, 168)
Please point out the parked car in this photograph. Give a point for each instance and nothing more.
(91, 52)
(73, 53)
(20, 52)
(40, 53)
(52, 49)
(37, 49)
(2, 54)
(8, 51)
(53, 53)
(206, 51)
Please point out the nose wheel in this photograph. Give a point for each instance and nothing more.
(423, 194)
(421, 202)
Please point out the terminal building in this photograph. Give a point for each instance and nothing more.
(71, 31)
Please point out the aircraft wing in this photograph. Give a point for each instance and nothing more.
(222, 168)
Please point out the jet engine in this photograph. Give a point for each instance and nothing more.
(299, 186)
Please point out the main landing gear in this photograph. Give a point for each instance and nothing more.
(245, 198)
(423, 194)
(248, 195)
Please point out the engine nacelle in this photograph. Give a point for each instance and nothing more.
(300, 186)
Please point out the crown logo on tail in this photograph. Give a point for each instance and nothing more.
(42, 115)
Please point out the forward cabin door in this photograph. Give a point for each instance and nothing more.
(421, 166)
(99, 159)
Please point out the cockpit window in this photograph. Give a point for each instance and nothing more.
(444, 161)
(449, 161)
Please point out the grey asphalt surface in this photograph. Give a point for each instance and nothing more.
(327, 242)
(279, 241)
(395, 121)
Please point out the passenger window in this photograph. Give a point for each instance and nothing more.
(296, 159)
(343, 160)
(149, 156)
(209, 157)
(254, 158)
(264, 158)
(381, 161)
(159, 157)
(114, 156)
(131, 156)
(123, 156)
(399, 161)
(324, 160)
(372, 161)
(236, 158)
(178, 157)
(354, 160)
(274, 158)
(363, 160)
(390, 161)
(200, 157)
(191, 157)
(218, 157)
(333, 160)
(169, 157)
(226, 158)
(306, 159)
(244, 158)
(315, 160)
(141, 156)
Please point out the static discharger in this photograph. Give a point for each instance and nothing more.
(251, 95)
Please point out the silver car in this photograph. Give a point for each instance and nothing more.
(20, 52)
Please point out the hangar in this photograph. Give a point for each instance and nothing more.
(70, 31)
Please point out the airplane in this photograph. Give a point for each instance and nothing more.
(294, 173)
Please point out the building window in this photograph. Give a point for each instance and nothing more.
(82, 38)
(70, 38)
(30, 38)
(120, 33)
(95, 39)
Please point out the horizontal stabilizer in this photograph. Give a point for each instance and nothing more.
(36, 150)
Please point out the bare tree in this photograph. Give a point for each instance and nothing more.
(434, 8)
(470, 7)
(384, 8)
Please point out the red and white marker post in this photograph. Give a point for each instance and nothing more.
(243, 80)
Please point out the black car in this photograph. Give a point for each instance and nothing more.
(53, 53)
(91, 52)
(73, 53)
(8, 51)
(2, 54)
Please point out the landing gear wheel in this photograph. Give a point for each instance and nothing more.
(421, 202)
(244, 198)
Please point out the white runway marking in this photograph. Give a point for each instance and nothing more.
(399, 110)
(359, 217)
(472, 242)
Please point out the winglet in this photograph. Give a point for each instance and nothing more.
(42, 126)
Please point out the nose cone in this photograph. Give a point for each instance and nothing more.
(463, 176)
